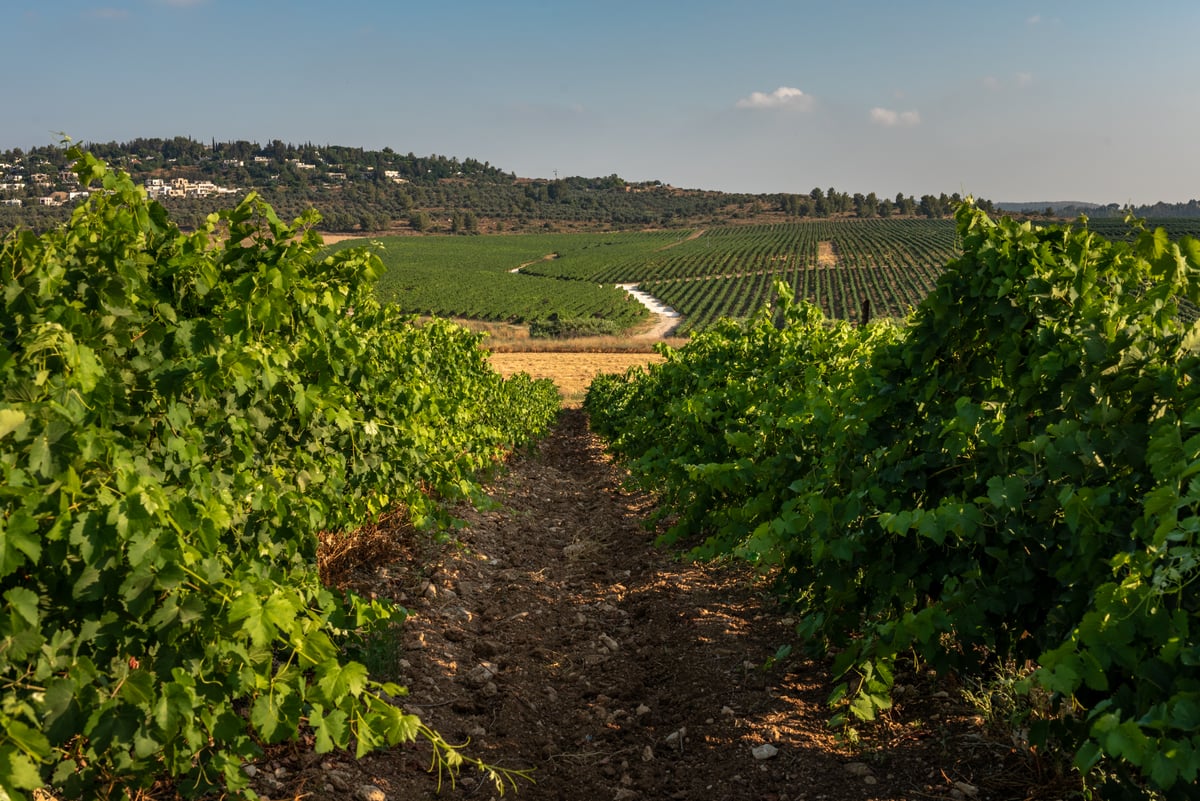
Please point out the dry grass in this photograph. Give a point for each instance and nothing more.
(826, 254)
(571, 371)
(341, 555)
(597, 345)
(569, 363)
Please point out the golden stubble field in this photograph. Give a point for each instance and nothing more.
(572, 372)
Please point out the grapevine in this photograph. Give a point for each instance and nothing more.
(180, 415)
(1010, 476)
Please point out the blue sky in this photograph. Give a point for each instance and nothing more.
(1096, 101)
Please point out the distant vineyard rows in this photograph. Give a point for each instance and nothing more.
(472, 277)
(705, 275)
(893, 264)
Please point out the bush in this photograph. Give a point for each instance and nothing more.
(569, 329)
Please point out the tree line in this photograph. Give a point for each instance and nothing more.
(831, 202)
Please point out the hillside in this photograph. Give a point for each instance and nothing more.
(1041, 205)
(362, 191)
(1073, 208)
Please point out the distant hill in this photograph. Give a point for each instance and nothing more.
(1042, 205)
(1074, 208)
(364, 191)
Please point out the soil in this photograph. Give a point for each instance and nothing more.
(551, 636)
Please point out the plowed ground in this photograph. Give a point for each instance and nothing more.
(553, 637)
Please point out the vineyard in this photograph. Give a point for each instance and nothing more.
(181, 416)
(1005, 481)
(705, 275)
(732, 271)
(885, 266)
(474, 278)
(1008, 481)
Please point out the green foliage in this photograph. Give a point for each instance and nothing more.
(565, 329)
(180, 414)
(474, 278)
(720, 272)
(731, 271)
(357, 190)
(1011, 476)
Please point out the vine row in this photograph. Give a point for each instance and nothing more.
(1009, 476)
(180, 416)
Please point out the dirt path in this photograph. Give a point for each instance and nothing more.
(547, 257)
(555, 638)
(666, 319)
(693, 235)
(663, 327)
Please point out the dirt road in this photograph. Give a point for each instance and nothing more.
(555, 638)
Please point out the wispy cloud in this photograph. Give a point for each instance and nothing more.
(1038, 21)
(1019, 80)
(895, 119)
(783, 97)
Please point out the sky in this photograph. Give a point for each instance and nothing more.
(1051, 100)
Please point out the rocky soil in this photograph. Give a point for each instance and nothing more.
(552, 637)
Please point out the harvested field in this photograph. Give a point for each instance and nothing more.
(572, 372)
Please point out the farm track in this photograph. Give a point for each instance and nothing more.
(547, 257)
(554, 637)
(699, 232)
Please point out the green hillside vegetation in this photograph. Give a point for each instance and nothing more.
(362, 191)
(357, 190)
